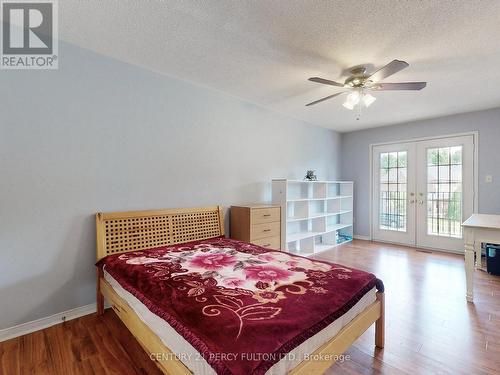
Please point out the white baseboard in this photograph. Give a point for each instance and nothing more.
(36, 325)
(360, 237)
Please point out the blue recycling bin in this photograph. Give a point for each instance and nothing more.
(493, 259)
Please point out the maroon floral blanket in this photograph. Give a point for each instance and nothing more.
(243, 307)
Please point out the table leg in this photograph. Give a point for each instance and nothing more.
(479, 259)
(469, 265)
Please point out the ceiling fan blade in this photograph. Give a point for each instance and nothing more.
(323, 99)
(399, 86)
(393, 67)
(325, 81)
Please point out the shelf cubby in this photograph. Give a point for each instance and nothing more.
(296, 210)
(297, 191)
(346, 204)
(318, 190)
(333, 206)
(317, 207)
(333, 190)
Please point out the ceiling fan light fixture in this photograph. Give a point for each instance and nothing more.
(368, 99)
(359, 84)
(352, 100)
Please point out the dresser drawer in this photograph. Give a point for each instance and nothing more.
(264, 230)
(270, 242)
(265, 215)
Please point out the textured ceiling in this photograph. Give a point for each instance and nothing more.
(264, 51)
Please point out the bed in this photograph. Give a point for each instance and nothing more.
(200, 303)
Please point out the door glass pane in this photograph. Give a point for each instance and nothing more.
(444, 191)
(393, 178)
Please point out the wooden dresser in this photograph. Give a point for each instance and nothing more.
(257, 224)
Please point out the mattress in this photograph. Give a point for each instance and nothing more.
(233, 308)
(197, 363)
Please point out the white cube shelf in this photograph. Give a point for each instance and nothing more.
(316, 215)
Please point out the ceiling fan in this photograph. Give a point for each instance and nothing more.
(360, 84)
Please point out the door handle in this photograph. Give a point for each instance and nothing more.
(421, 201)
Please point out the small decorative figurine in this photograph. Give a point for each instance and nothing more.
(310, 176)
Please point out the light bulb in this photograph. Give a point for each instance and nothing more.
(348, 105)
(352, 100)
(368, 99)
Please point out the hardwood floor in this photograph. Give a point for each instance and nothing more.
(430, 328)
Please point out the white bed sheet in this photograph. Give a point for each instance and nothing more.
(199, 366)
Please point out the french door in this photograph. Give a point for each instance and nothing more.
(423, 191)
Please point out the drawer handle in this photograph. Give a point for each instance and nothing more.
(266, 245)
(266, 230)
(266, 215)
(116, 308)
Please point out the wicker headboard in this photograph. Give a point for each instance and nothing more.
(119, 232)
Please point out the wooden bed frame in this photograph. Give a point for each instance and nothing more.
(120, 232)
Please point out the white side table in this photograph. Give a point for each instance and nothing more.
(479, 228)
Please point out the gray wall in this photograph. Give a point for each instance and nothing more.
(356, 167)
(101, 135)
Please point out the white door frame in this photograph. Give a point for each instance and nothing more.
(475, 136)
